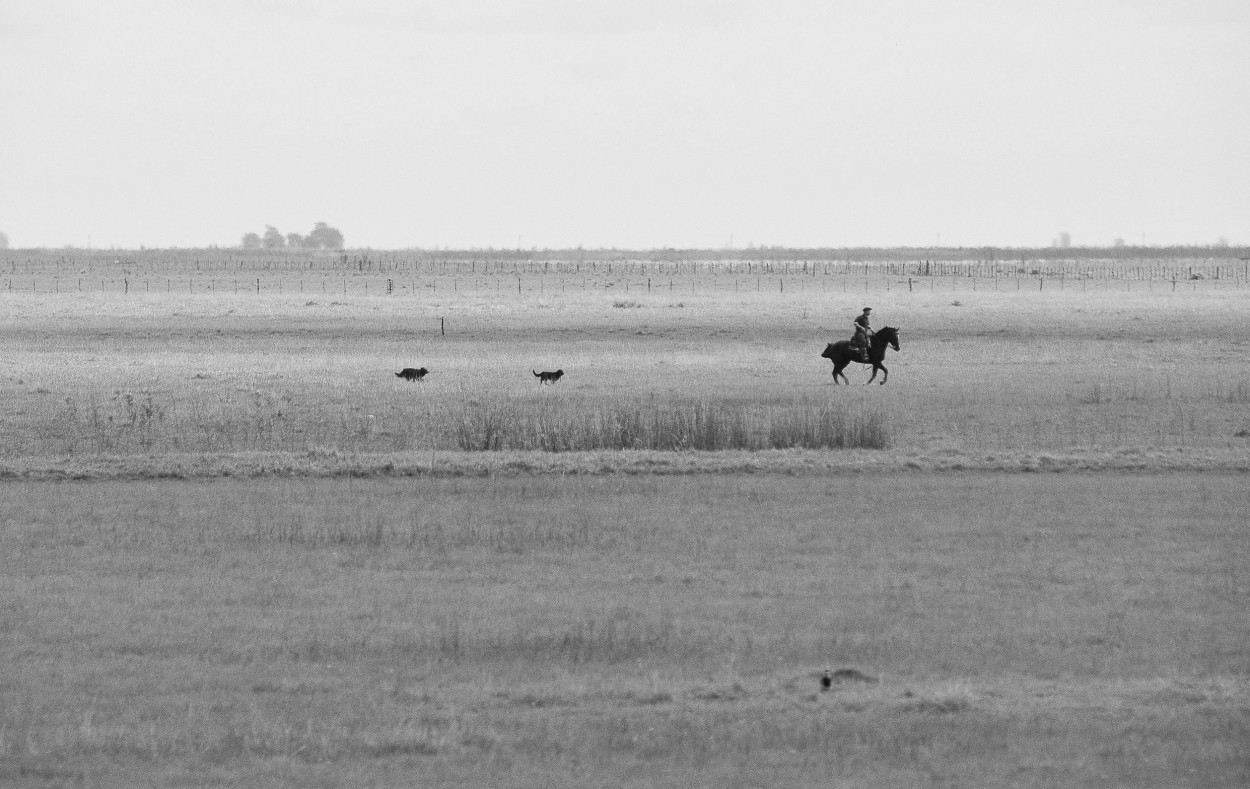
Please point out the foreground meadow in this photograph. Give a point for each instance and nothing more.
(627, 631)
(240, 551)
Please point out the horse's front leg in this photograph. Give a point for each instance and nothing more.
(874, 375)
(885, 373)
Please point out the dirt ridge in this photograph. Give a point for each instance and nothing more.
(604, 463)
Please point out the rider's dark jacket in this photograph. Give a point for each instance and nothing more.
(861, 330)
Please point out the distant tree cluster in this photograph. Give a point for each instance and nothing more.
(322, 237)
(4, 241)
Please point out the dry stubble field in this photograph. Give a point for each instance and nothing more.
(239, 551)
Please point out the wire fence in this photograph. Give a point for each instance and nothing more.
(554, 285)
(419, 273)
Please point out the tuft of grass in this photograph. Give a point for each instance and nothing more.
(1238, 393)
(1095, 396)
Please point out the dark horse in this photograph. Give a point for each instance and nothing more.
(842, 354)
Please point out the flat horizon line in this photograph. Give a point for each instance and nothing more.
(1232, 250)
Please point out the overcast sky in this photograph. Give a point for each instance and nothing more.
(627, 123)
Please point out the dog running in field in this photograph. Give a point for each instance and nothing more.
(412, 374)
(546, 377)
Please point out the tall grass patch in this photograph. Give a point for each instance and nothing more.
(565, 425)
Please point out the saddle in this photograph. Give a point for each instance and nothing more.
(861, 350)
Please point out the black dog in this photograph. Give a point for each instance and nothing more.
(548, 377)
(409, 374)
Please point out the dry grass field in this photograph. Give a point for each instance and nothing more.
(239, 551)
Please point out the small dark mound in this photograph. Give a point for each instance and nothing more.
(843, 675)
(411, 374)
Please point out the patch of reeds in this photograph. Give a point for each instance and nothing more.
(705, 425)
(145, 422)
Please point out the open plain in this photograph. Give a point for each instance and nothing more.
(240, 551)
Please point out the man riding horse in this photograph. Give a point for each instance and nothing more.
(863, 334)
(862, 349)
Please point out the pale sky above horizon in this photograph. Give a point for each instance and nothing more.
(626, 123)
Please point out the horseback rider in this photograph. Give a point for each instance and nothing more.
(862, 334)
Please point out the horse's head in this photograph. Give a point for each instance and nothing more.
(887, 334)
(828, 353)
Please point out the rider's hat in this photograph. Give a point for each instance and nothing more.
(867, 309)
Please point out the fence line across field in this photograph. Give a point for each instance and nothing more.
(1145, 264)
(554, 284)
